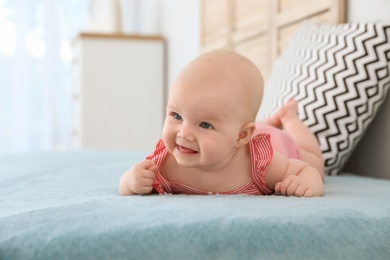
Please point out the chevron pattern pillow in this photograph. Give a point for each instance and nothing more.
(339, 74)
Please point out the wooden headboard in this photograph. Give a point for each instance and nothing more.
(260, 29)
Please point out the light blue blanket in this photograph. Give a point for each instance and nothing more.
(65, 206)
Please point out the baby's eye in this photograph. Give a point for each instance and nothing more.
(206, 125)
(176, 116)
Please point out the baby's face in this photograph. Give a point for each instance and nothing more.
(202, 124)
(209, 104)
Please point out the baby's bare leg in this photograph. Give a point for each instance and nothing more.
(287, 117)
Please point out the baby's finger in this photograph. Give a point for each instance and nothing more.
(146, 164)
(308, 193)
(277, 187)
(292, 188)
(300, 191)
(147, 182)
(284, 186)
(145, 189)
(153, 168)
(147, 174)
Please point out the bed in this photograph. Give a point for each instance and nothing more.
(65, 205)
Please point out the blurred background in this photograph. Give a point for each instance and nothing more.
(37, 57)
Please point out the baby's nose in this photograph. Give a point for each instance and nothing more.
(186, 132)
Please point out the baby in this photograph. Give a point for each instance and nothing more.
(211, 144)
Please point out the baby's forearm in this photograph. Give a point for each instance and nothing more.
(313, 179)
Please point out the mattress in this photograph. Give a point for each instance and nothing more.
(65, 205)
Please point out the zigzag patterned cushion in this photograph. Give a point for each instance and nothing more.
(339, 74)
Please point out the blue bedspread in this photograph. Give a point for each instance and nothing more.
(65, 206)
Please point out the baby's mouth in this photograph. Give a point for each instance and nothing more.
(185, 150)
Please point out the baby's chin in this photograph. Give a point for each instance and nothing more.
(186, 164)
(185, 161)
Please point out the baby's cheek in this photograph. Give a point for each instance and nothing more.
(168, 139)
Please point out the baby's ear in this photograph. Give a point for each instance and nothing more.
(246, 134)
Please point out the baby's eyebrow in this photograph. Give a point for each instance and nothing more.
(169, 107)
(212, 119)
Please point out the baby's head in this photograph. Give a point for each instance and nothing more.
(232, 76)
(211, 109)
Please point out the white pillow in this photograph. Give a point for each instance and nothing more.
(339, 74)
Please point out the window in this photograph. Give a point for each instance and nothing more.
(36, 73)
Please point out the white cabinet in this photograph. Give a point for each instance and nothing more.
(119, 100)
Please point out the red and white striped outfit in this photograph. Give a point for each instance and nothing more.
(261, 151)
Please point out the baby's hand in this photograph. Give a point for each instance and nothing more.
(139, 179)
(294, 186)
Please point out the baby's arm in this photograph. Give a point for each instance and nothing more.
(139, 179)
(293, 177)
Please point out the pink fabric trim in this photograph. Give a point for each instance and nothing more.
(261, 155)
(280, 140)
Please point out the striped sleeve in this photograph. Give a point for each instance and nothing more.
(261, 156)
(157, 156)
